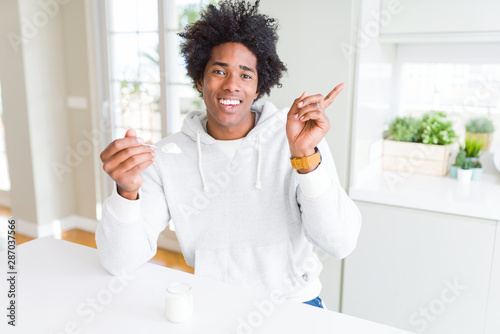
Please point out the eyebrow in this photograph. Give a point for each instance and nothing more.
(246, 68)
(243, 67)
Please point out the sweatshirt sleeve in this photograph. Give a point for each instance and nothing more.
(330, 218)
(128, 232)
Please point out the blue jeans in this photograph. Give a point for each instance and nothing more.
(315, 302)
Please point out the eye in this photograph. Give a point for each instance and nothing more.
(220, 72)
(246, 76)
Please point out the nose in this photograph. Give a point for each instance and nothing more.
(231, 83)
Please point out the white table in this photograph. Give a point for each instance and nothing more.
(62, 288)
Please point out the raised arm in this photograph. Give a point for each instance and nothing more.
(331, 219)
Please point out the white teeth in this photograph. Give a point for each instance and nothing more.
(229, 102)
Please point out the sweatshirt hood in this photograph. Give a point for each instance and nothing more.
(264, 115)
(266, 118)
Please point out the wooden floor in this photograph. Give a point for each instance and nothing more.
(163, 257)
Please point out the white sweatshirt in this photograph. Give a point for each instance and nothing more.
(249, 221)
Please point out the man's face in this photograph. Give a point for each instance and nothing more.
(229, 87)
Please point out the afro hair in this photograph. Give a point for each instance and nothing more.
(237, 22)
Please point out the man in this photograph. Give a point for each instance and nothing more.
(245, 212)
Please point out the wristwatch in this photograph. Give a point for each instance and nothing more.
(306, 162)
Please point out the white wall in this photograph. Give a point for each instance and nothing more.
(15, 107)
(44, 65)
(84, 131)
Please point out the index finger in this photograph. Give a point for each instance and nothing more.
(333, 94)
(296, 105)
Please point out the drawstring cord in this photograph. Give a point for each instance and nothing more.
(258, 185)
(200, 166)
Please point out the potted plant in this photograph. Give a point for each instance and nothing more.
(477, 171)
(472, 149)
(405, 129)
(480, 128)
(459, 161)
(464, 173)
(437, 129)
(419, 146)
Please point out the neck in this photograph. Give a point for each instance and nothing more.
(221, 132)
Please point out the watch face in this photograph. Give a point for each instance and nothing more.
(320, 156)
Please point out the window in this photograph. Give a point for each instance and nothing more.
(462, 80)
(149, 89)
(4, 168)
(453, 87)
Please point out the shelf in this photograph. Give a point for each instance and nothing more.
(480, 199)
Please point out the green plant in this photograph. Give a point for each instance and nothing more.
(476, 164)
(405, 129)
(480, 125)
(473, 146)
(437, 129)
(461, 158)
(466, 165)
(189, 13)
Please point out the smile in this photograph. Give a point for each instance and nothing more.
(229, 102)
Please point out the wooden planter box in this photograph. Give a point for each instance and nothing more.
(416, 158)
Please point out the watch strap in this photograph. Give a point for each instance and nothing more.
(306, 162)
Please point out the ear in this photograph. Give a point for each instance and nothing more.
(199, 85)
(256, 95)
